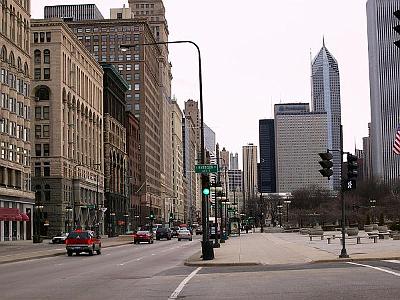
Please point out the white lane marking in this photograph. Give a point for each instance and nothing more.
(132, 260)
(393, 261)
(180, 287)
(375, 268)
(153, 254)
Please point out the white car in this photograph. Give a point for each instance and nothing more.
(184, 234)
(59, 239)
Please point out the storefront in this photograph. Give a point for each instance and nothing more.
(15, 221)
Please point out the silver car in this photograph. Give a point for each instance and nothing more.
(184, 234)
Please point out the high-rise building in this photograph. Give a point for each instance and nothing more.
(325, 97)
(16, 198)
(299, 136)
(224, 163)
(115, 153)
(76, 12)
(233, 161)
(384, 76)
(192, 110)
(68, 173)
(209, 139)
(267, 180)
(141, 71)
(250, 178)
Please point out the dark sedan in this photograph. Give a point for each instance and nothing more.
(163, 233)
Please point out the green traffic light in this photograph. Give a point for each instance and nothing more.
(206, 191)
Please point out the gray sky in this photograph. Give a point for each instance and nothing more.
(256, 53)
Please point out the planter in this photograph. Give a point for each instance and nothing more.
(352, 231)
(316, 231)
(375, 226)
(368, 228)
(382, 229)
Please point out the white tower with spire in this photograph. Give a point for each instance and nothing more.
(325, 96)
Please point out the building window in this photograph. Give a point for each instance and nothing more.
(46, 110)
(38, 113)
(36, 37)
(46, 170)
(48, 37)
(119, 15)
(46, 73)
(136, 57)
(137, 86)
(38, 174)
(38, 149)
(45, 131)
(128, 67)
(42, 37)
(37, 56)
(136, 67)
(46, 149)
(137, 76)
(128, 77)
(120, 67)
(38, 74)
(38, 131)
(46, 56)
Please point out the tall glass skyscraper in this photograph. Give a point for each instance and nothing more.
(267, 178)
(384, 78)
(325, 81)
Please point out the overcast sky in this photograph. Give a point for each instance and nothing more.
(256, 53)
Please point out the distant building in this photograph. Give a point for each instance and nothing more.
(325, 80)
(250, 178)
(299, 136)
(233, 161)
(267, 178)
(367, 156)
(76, 12)
(384, 74)
(224, 163)
(209, 139)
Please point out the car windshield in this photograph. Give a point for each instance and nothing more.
(142, 232)
(78, 235)
(184, 231)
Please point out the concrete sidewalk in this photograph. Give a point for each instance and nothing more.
(25, 250)
(293, 248)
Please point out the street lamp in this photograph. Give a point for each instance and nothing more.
(126, 222)
(68, 210)
(280, 213)
(37, 237)
(207, 247)
(372, 204)
(111, 227)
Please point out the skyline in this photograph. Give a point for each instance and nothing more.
(260, 76)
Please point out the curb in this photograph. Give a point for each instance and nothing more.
(52, 254)
(355, 259)
(193, 261)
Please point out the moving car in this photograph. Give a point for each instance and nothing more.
(184, 234)
(175, 231)
(143, 236)
(163, 233)
(59, 239)
(82, 241)
(199, 230)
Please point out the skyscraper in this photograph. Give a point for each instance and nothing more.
(325, 97)
(384, 77)
(267, 156)
(250, 178)
(233, 161)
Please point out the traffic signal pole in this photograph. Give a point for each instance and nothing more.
(343, 253)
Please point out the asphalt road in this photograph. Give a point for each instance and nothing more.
(157, 272)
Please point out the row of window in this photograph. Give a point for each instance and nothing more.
(41, 37)
(42, 149)
(42, 131)
(112, 38)
(39, 168)
(38, 73)
(108, 29)
(144, 6)
(37, 54)
(13, 153)
(42, 112)
(14, 106)
(13, 129)
(10, 79)
(112, 58)
(112, 48)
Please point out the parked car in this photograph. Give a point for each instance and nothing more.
(199, 230)
(143, 236)
(82, 241)
(59, 239)
(163, 233)
(184, 234)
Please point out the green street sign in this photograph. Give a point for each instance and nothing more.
(206, 168)
(90, 206)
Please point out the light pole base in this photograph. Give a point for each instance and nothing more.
(216, 244)
(207, 250)
(344, 254)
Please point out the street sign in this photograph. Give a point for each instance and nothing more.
(103, 209)
(206, 168)
(90, 206)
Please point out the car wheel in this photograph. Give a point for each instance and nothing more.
(158, 239)
(152, 241)
(179, 239)
(168, 238)
(91, 251)
(190, 239)
(78, 253)
(69, 253)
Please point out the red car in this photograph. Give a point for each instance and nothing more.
(143, 236)
(82, 241)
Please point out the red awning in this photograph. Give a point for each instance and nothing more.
(11, 214)
(25, 217)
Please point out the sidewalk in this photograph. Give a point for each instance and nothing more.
(293, 248)
(25, 250)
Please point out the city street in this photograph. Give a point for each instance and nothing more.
(157, 271)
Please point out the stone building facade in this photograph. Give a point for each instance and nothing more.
(67, 162)
(16, 198)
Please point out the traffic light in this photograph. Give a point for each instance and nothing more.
(326, 163)
(351, 166)
(397, 27)
(151, 215)
(205, 183)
